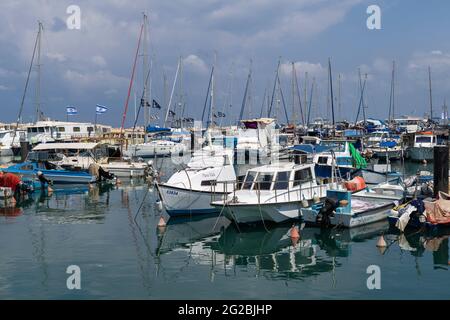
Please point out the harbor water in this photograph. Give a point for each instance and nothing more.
(111, 234)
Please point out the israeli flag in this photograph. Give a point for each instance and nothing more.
(101, 109)
(71, 111)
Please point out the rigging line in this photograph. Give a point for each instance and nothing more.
(282, 99)
(207, 94)
(25, 90)
(298, 95)
(269, 112)
(361, 99)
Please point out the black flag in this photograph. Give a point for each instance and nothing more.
(156, 104)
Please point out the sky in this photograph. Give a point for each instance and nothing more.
(92, 65)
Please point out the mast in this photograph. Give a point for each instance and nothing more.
(274, 88)
(392, 94)
(339, 97)
(145, 68)
(246, 92)
(331, 92)
(431, 97)
(306, 94)
(294, 118)
(38, 69)
(211, 119)
(19, 116)
(171, 94)
(302, 116)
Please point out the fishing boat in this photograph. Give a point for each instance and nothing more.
(272, 193)
(422, 149)
(189, 191)
(381, 145)
(341, 155)
(346, 209)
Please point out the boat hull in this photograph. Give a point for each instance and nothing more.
(183, 202)
(350, 220)
(420, 153)
(268, 212)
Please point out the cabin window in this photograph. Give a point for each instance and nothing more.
(423, 139)
(301, 176)
(76, 129)
(208, 183)
(249, 180)
(282, 180)
(90, 129)
(322, 160)
(41, 129)
(61, 129)
(264, 181)
(104, 130)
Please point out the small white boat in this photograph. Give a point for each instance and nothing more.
(155, 148)
(423, 147)
(273, 193)
(342, 208)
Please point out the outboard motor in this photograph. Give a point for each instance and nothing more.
(327, 211)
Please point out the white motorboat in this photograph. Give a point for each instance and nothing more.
(273, 193)
(155, 148)
(423, 147)
(210, 174)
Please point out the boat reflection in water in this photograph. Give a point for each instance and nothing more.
(418, 243)
(68, 204)
(184, 232)
(268, 252)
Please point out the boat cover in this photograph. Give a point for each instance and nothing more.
(438, 212)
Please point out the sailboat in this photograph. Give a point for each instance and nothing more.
(160, 145)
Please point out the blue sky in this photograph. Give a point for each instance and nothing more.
(93, 65)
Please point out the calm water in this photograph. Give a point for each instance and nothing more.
(122, 254)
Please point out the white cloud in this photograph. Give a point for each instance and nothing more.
(313, 69)
(99, 61)
(56, 56)
(195, 63)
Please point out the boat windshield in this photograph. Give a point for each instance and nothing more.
(249, 180)
(282, 180)
(264, 181)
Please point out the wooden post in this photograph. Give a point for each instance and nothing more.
(441, 159)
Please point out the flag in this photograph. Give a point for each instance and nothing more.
(71, 111)
(100, 109)
(144, 103)
(221, 114)
(156, 105)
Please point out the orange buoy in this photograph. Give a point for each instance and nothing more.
(294, 235)
(381, 242)
(161, 223)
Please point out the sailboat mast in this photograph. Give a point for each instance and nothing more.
(294, 118)
(431, 96)
(145, 68)
(339, 97)
(331, 92)
(38, 69)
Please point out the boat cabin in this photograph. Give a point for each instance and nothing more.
(279, 177)
(426, 139)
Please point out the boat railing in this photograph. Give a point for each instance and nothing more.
(222, 190)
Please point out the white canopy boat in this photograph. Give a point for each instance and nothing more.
(273, 193)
